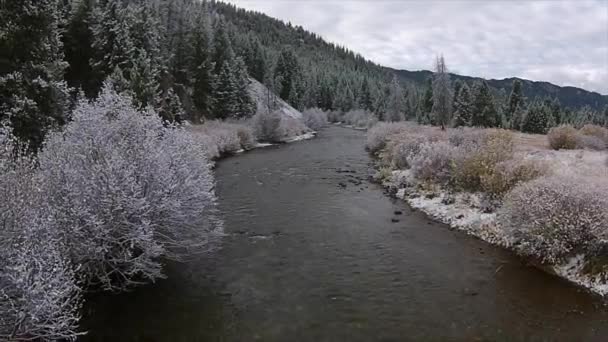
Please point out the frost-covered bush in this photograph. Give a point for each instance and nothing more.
(39, 298)
(335, 116)
(229, 137)
(590, 142)
(563, 137)
(553, 217)
(509, 173)
(595, 131)
(360, 118)
(126, 191)
(402, 148)
(480, 163)
(267, 126)
(378, 136)
(434, 162)
(466, 137)
(291, 127)
(314, 118)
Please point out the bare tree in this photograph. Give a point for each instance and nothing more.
(442, 94)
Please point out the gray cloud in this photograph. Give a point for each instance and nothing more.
(563, 42)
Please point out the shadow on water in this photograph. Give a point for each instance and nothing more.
(312, 254)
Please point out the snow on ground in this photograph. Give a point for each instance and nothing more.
(304, 136)
(462, 211)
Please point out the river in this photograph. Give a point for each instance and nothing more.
(315, 252)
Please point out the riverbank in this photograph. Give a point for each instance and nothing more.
(429, 186)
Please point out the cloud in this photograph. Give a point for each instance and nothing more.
(563, 42)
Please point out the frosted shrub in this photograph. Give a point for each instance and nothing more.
(360, 118)
(480, 163)
(590, 142)
(39, 298)
(224, 135)
(551, 218)
(434, 162)
(595, 131)
(563, 137)
(509, 173)
(246, 137)
(127, 191)
(291, 127)
(467, 137)
(314, 118)
(378, 135)
(267, 126)
(403, 147)
(335, 116)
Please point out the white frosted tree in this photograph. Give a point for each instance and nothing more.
(442, 94)
(127, 192)
(395, 105)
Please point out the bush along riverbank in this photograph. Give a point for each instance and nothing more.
(506, 188)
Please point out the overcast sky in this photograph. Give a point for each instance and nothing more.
(563, 42)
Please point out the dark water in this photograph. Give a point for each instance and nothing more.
(312, 255)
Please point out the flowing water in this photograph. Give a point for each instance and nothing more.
(312, 253)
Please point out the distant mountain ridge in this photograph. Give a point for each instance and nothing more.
(568, 96)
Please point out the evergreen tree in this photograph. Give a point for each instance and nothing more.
(246, 106)
(538, 119)
(222, 47)
(484, 110)
(395, 106)
(463, 107)
(442, 94)
(426, 105)
(257, 61)
(365, 95)
(78, 47)
(112, 44)
(225, 98)
(516, 100)
(287, 72)
(170, 107)
(33, 96)
(143, 79)
(201, 67)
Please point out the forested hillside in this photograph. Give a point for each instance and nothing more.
(571, 97)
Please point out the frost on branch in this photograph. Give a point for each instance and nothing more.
(39, 298)
(553, 217)
(127, 191)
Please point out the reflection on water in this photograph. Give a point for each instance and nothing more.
(312, 254)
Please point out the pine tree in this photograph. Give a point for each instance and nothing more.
(33, 96)
(395, 106)
(246, 106)
(442, 94)
(426, 105)
(143, 79)
(222, 47)
(365, 95)
(463, 108)
(170, 107)
(538, 119)
(110, 24)
(287, 71)
(516, 100)
(225, 97)
(201, 67)
(78, 47)
(484, 109)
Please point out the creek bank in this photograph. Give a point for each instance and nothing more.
(467, 212)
